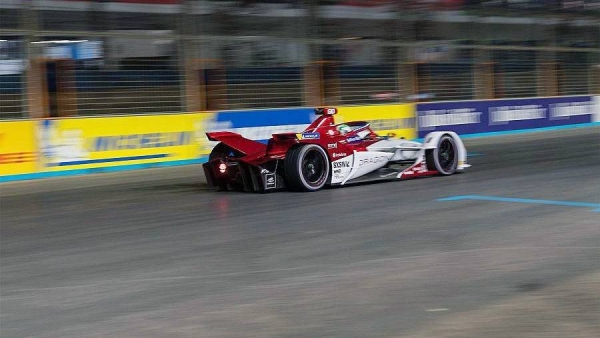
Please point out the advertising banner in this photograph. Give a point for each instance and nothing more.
(259, 125)
(471, 117)
(396, 119)
(85, 143)
(18, 153)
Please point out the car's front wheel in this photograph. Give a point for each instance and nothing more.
(306, 167)
(444, 158)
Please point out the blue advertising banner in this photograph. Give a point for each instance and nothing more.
(471, 117)
(261, 124)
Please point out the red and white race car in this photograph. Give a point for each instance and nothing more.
(328, 154)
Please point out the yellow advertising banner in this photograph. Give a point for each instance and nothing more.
(17, 148)
(82, 143)
(396, 119)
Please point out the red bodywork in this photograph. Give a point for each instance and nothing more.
(329, 138)
(247, 167)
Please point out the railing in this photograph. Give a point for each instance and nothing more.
(147, 65)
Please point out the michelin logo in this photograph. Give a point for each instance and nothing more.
(448, 117)
(505, 114)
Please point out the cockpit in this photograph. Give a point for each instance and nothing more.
(358, 128)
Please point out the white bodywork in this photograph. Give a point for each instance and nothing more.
(381, 153)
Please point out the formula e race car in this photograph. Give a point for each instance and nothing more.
(328, 154)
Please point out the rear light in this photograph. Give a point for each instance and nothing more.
(222, 168)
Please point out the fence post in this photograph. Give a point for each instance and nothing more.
(546, 73)
(595, 79)
(331, 83)
(192, 87)
(66, 88)
(314, 93)
(213, 84)
(483, 80)
(483, 75)
(405, 77)
(37, 89)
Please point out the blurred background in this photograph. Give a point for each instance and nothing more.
(99, 57)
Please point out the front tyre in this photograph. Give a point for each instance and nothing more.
(306, 167)
(444, 158)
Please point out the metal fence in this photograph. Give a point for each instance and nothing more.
(160, 64)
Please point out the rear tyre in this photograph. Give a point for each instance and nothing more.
(306, 167)
(444, 158)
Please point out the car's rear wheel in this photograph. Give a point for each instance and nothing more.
(306, 167)
(444, 158)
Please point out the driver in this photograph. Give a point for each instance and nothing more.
(344, 128)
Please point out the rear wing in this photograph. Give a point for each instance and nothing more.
(237, 142)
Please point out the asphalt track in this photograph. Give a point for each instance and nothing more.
(155, 253)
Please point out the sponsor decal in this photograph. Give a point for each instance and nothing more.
(566, 109)
(339, 154)
(332, 145)
(372, 160)
(111, 141)
(338, 176)
(141, 141)
(392, 124)
(337, 171)
(397, 119)
(18, 153)
(310, 136)
(341, 164)
(447, 117)
(505, 114)
(271, 182)
(470, 117)
(354, 139)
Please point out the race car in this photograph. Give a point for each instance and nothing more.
(328, 154)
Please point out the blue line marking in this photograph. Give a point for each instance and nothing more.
(126, 167)
(524, 131)
(522, 200)
(110, 159)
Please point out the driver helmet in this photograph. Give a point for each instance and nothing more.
(344, 128)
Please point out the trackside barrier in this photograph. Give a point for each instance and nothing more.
(69, 146)
(476, 117)
(259, 125)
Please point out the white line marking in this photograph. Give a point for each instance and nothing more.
(436, 310)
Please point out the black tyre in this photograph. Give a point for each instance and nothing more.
(306, 167)
(444, 158)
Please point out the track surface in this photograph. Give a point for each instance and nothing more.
(155, 253)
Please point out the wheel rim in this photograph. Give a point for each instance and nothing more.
(313, 168)
(446, 155)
